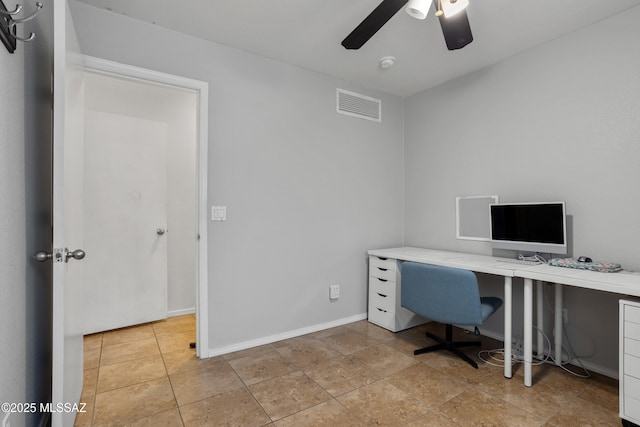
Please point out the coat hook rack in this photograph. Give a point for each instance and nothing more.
(8, 25)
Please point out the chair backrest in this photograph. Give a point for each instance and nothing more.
(443, 294)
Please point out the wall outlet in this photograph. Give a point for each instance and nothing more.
(565, 316)
(334, 291)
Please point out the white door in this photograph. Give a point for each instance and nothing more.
(67, 318)
(125, 220)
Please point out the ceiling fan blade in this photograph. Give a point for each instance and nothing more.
(372, 23)
(456, 30)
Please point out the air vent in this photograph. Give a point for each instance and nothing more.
(356, 105)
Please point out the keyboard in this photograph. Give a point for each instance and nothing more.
(519, 261)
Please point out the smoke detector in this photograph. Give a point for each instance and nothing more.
(387, 62)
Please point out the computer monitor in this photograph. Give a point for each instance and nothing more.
(529, 227)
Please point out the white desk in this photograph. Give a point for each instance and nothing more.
(477, 263)
(624, 283)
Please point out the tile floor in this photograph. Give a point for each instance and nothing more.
(352, 375)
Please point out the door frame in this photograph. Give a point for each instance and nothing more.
(130, 72)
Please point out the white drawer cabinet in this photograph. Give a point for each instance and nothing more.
(630, 362)
(384, 296)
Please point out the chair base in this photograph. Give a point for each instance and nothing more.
(448, 344)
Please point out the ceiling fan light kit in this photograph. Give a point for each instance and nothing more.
(418, 8)
(451, 15)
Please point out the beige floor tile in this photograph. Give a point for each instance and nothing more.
(174, 325)
(384, 360)
(92, 357)
(129, 404)
(603, 391)
(543, 400)
(193, 385)
(130, 372)
(83, 419)
(454, 366)
(382, 404)
(92, 341)
(90, 381)
(123, 352)
(473, 408)
(432, 419)
(186, 360)
(306, 351)
(132, 333)
(287, 395)
(348, 342)
(428, 384)
(326, 414)
(585, 413)
(176, 341)
(263, 367)
(341, 375)
(237, 408)
(407, 343)
(169, 418)
(372, 331)
(554, 377)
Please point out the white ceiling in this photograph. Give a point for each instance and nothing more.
(307, 33)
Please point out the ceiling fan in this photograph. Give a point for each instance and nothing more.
(451, 14)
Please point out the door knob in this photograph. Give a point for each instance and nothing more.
(160, 231)
(59, 254)
(77, 254)
(42, 256)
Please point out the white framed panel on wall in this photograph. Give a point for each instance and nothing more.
(473, 217)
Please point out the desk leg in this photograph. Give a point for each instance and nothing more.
(507, 326)
(540, 319)
(528, 326)
(557, 325)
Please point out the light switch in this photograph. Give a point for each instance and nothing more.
(218, 213)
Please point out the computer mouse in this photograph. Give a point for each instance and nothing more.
(585, 259)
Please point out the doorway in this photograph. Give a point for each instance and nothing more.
(149, 185)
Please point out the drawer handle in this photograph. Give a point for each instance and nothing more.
(383, 259)
(383, 269)
(382, 295)
(382, 280)
(379, 309)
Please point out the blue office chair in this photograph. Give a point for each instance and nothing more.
(446, 295)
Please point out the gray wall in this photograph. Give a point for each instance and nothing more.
(558, 122)
(307, 191)
(25, 223)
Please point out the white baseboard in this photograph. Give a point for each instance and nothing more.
(184, 311)
(285, 335)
